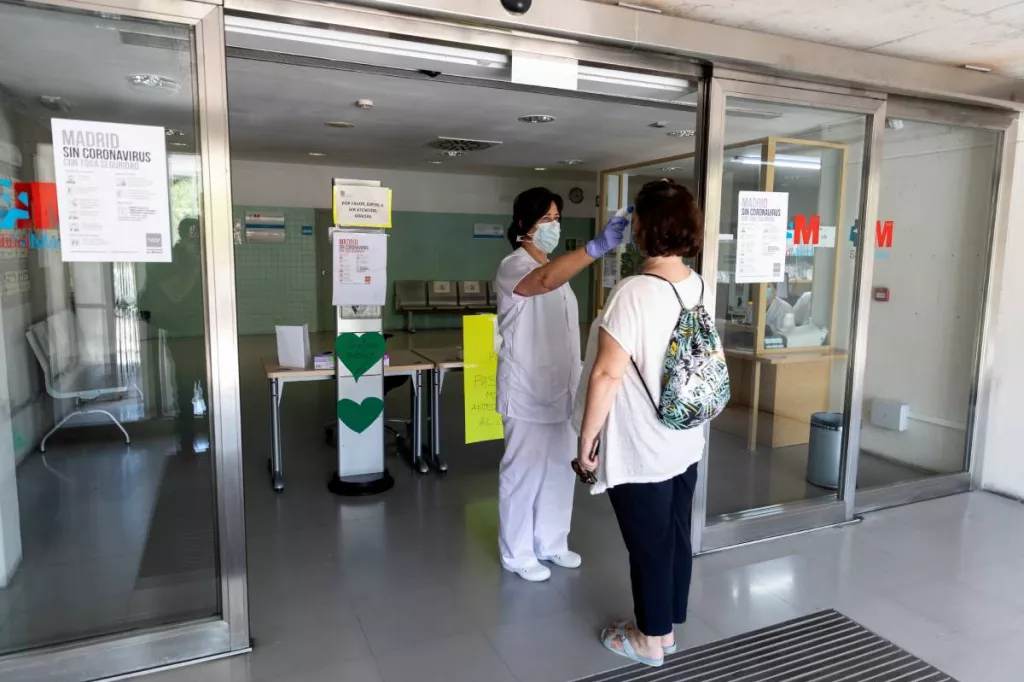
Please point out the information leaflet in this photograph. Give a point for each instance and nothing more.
(359, 268)
(112, 192)
(761, 236)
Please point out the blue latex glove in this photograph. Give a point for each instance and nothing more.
(610, 237)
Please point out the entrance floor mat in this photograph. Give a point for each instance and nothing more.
(822, 647)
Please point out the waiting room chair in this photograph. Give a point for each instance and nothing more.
(410, 298)
(442, 294)
(473, 294)
(53, 342)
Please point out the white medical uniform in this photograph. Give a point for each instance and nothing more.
(538, 371)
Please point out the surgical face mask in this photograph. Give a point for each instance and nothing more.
(547, 235)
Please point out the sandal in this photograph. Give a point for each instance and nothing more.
(671, 649)
(627, 651)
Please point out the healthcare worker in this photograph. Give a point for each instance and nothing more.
(538, 369)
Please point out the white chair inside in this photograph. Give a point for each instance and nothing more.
(54, 343)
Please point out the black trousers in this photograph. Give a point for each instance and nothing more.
(655, 522)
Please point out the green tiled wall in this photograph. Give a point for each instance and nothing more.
(276, 283)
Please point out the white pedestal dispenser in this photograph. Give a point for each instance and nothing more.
(360, 385)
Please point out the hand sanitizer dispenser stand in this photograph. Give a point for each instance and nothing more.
(359, 352)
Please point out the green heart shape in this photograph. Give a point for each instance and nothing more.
(359, 416)
(359, 353)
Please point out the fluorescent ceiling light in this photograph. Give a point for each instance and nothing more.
(640, 81)
(781, 161)
(241, 26)
(536, 118)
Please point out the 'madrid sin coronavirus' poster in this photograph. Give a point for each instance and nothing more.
(112, 192)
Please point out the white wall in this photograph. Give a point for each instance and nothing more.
(1003, 438)
(259, 183)
(936, 186)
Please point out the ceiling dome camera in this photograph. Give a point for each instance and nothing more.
(517, 6)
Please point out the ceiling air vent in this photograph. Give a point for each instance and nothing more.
(455, 144)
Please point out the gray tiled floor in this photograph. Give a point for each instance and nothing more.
(465, 620)
(407, 586)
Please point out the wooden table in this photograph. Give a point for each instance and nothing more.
(444, 360)
(402, 363)
(790, 386)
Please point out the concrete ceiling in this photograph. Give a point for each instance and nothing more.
(278, 111)
(409, 113)
(955, 32)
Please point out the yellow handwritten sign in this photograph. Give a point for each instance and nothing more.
(480, 379)
(358, 206)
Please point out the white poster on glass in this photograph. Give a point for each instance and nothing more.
(761, 237)
(112, 192)
(360, 263)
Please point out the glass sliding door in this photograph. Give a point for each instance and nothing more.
(112, 362)
(784, 202)
(940, 168)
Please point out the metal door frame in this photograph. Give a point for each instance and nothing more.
(759, 524)
(1006, 124)
(140, 650)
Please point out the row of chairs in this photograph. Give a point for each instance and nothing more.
(442, 296)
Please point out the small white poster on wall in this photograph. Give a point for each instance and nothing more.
(761, 237)
(360, 268)
(112, 192)
(488, 231)
(827, 238)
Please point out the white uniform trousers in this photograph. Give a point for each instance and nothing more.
(535, 489)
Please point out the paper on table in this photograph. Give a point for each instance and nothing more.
(293, 347)
(359, 268)
(479, 378)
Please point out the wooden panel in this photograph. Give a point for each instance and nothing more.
(790, 394)
(741, 376)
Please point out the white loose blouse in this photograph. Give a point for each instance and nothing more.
(635, 446)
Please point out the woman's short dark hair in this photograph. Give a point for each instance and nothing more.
(529, 207)
(671, 223)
